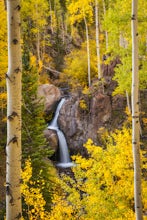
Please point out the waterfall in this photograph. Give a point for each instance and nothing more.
(63, 148)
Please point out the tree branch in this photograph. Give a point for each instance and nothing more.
(54, 72)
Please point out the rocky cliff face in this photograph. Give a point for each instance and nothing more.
(80, 122)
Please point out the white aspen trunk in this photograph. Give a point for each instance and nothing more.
(135, 114)
(106, 33)
(128, 102)
(13, 148)
(88, 52)
(122, 41)
(97, 40)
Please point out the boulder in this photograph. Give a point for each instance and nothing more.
(52, 138)
(49, 95)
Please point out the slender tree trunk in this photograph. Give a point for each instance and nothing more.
(128, 102)
(106, 33)
(122, 41)
(135, 114)
(13, 148)
(97, 39)
(88, 52)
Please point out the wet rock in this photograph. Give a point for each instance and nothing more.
(51, 138)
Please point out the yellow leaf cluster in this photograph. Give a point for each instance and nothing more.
(32, 195)
(3, 55)
(79, 10)
(83, 104)
(102, 186)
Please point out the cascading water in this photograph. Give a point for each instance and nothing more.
(63, 148)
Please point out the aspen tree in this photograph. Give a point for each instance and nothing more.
(13, 78)
(135, 114)
(97, 39)
(88, 52)
(106, 33)
(82, 11)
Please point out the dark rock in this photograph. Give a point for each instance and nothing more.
(52, 138)
(100, 111)
(78, 126)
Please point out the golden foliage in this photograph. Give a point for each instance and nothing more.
(102, 186)
(75, 71)
(83, 104)
(32, 195)
(3, 55)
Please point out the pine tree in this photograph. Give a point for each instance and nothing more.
(33, 141)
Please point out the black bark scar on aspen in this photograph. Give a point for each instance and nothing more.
(135, 116)
(7, 77)
(15, 41)
(136, 34)
(9, 193)
(134, 142)
(18, 7)
(11, 117)
(17, 70)
(18, 216)
(133, 17)
(13, 140)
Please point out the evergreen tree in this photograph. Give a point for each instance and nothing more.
(33, 142)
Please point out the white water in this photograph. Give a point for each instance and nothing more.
(54, 122)
(63, 148)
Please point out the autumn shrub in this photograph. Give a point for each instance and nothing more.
(76, 66)
(83, 104)
(102, 185)
(32, 194)
(34, 201)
